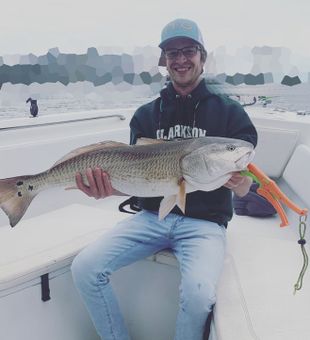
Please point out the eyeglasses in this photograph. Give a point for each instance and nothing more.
(188, 52)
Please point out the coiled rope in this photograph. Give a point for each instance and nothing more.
(302, 242)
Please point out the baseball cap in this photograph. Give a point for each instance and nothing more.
(181, 28)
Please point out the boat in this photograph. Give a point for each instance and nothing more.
(255, 297)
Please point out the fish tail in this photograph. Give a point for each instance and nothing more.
(15, 197)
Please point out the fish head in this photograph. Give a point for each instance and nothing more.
(215, 160)
(227, 155)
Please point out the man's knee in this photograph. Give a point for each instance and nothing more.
(198, 298)
(79, 269)
(85, 272)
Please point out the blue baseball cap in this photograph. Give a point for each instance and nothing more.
(181, 28)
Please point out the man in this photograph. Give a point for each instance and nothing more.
(185, 108)
(34, 109)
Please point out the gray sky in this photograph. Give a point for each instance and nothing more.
(34, 26)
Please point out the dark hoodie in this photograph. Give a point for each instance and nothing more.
(200, 113)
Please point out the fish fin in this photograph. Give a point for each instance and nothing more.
(166, 205)
(181, 197)
(169, 202)
(14, 199)
(89, 148)
(149, 141)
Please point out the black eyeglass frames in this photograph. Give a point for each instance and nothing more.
(188, 52)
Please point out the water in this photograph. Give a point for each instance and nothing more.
(49, 106)
(295, 98)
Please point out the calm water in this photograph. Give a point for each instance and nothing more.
(49, 106)
(295, 98)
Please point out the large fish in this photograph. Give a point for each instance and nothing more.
(150, 168)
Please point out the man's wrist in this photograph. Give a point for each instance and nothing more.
(242, 189)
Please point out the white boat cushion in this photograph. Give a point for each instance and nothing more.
(255, 297)
(48, 242)
(297, 173)
(274, 149)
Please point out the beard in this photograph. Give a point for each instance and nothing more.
(187, 78)
(186, 81)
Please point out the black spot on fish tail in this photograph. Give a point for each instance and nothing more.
(180, 180)
(30, 187)
(14, 201)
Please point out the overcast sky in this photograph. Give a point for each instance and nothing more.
(34, 26)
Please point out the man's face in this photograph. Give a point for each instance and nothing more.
(184, 71)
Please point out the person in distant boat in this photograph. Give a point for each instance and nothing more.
(185, 108)
(34, 109)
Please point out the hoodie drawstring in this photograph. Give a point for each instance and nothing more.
(178, 109)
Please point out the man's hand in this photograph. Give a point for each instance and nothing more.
(99, 184)
(239, 184)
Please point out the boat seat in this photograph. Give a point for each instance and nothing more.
(50, 241)
(277, 144)
(47, 242)
(297, 172)
(255, 297)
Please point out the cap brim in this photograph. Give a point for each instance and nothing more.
(165, 42)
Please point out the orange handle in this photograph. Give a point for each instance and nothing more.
(270, 190)
(276, 205)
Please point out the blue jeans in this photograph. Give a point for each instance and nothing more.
(198, 245)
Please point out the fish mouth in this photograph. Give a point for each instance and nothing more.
(243, 161)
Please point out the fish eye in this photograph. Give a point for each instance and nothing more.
(230, 147)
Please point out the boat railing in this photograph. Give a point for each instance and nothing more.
(120, 116)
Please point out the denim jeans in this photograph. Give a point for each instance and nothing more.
(198, 245)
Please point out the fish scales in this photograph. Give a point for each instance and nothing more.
(127, 167)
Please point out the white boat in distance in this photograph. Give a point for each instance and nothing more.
(255, 297)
